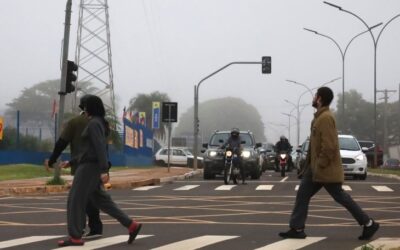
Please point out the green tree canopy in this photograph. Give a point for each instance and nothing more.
(222, 114)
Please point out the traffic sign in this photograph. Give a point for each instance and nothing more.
(169, 112)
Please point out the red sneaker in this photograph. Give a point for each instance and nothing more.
(134, 229)
(70, 242)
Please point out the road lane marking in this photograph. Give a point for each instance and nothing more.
(284, 179)
(26, 240)
(382, 243)
(291, 243)
(297, 187)
(346, 188)
(225, 187)
(186, 187)
(382, 188)
(109, 241)
(264, 187)
(145, 188)
(196, 243)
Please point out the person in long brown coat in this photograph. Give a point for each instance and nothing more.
(323, 168)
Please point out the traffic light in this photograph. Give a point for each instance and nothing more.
(71, 77)
(266, 65)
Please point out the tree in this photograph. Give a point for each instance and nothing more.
(222, 114)
(144, 103)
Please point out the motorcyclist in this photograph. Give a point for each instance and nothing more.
(283, 145)
(234, 142)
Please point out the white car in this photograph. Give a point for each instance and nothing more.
(178, 156)
(354, 161)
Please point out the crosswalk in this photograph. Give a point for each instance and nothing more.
(262, 187)
(191, 243)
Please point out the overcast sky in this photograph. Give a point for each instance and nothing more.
(169, 45)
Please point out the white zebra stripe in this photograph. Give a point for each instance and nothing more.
(225, 187)
(26, 240)
(187, 187)
(291, 244)
(196, 243)
(382, 188)
(264, 187)
(145, 188)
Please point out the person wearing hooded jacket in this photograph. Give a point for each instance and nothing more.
(235, 142)
(91, 173)
(71, 135)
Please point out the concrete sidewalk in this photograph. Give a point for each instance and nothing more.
(128, 178)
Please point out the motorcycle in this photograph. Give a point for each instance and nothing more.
(283, 162)
(231, 169)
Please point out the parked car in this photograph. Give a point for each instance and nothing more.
(391, 163)
(178, 156)
(267, 156)
(369, 152)
(354, 161)
(214, 155)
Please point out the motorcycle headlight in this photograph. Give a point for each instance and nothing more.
(360, 157)
(212, 153)
(228, 153)
(246, 154)
(283, 156)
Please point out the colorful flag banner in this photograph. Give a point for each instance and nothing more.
(155, 118)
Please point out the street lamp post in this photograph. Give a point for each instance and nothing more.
(343, 55)
(290, 115)
(196, 121)
(297, 107)
(375, 41)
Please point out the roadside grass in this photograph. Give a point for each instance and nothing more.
(384, 171)
(29, 171)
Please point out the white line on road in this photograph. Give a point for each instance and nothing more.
(186, 187)
(382, 189)
(195, 243)
(284, 179)
(346, 187)
(264, 187)
(145, 188)
(382, 243)
(109, 241)
(291, 244)
(225, 187)
(26, 240)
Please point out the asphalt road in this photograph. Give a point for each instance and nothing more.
(195, 213)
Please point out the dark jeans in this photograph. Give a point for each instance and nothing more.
(307, 190)
(93, 213)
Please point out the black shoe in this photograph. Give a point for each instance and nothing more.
(293, 234)
(368, 232)
(92, 235)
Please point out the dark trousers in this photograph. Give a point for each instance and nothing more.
(307, 190)
(94, 221)
(87, 186)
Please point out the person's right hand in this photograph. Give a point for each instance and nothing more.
(46, 165)
(65, 164)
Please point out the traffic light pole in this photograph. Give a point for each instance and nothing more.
(196, 121)
(67, 24)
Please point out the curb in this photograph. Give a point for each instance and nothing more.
(49, 189)
(390, 176)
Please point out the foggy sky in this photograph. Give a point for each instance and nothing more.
(170, 45)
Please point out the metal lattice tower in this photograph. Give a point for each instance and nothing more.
(93, 53)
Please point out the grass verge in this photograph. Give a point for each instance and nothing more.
(384, 171)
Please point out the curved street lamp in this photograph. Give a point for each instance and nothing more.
(342, 53)
(375, 41)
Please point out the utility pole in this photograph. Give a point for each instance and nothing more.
(385, 129)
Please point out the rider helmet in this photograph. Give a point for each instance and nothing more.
(235, 132)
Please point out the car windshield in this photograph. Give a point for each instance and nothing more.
(366, 144)
(349, 144)
(187, 152)
(216, 138)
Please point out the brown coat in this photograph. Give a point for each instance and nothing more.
(324, 154)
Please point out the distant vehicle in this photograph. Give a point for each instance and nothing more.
(214, 156)
(391, 163)
(267, 156)
(369, 152)
(354, 161)
(178, 156)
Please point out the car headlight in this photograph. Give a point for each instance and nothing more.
(283, 156)
(360, 157)
(246, 154)
(228, 153)
(212, 153)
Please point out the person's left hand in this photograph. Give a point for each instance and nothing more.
(46, 165)
(65, 164)
(105, 178)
